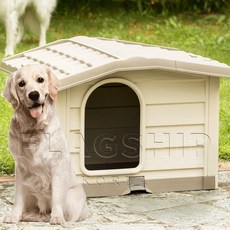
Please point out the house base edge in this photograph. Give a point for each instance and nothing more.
(151, 186)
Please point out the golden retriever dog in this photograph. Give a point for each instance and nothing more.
(17, 15)
(46, 187)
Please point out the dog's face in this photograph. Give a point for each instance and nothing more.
(29, 87)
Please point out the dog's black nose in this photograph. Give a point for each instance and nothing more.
(34, 95)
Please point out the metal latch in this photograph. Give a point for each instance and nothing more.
(136, 183)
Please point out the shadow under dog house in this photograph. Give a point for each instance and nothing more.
(136, 116)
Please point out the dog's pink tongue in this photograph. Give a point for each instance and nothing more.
(36, 112)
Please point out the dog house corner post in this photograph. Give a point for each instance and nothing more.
(213, 129)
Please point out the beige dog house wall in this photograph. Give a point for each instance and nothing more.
(136, 116)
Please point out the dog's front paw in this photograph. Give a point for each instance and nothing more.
(57, 220)
(9, 51)
(11, 219)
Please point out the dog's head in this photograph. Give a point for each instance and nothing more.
(30, 87)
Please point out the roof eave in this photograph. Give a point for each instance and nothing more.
(133, 64)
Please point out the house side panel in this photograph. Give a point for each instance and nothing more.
(175, 121)
(174, 91)
(73, 104)
(175, 114)
(175, 147)
(213, 127)
(62, 110)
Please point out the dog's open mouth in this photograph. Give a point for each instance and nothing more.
(36, 110)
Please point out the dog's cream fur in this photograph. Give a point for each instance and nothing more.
(46, 186)
(16, 14)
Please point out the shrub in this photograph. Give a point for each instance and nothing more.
(143, 6)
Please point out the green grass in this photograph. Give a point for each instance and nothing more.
(206, 35)
(6, 162)
(224, 133)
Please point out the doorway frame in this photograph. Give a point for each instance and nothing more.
(142, 130)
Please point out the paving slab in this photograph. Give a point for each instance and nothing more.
(190, 210)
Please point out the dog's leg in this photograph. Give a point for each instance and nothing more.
(44, 24)
(11, 29)
(58, 194)
(75, 211)
(16, 214)
(43, 29)
(44, 16)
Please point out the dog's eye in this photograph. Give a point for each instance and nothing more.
(21, 84)
(40, 80)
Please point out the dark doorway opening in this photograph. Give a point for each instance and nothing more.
(112, 128)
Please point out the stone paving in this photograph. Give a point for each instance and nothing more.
(194, 210)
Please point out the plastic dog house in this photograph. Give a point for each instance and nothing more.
(136, 116)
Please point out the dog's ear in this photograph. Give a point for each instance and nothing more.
(9, 92)
(53, 84)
